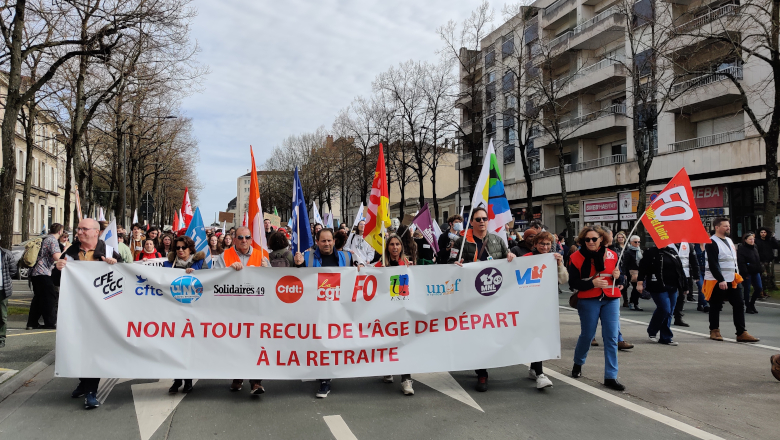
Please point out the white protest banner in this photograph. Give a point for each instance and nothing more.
(154, 262)
(131, 320)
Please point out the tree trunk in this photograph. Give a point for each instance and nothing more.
(30, 143)
(570, 232)
(770, 201)
(529, 185)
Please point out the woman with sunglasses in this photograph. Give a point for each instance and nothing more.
(184, 257)
(592, 273)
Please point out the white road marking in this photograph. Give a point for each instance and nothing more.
(666, 420)
(444, 383)
(6, 373)
(677, 329)
(338, 427)
(17, 399)
(105, 387)
(153, 404)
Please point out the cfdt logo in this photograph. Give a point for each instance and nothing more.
(448, 288)
(365, 285)
(289, 289)
(532, 276)
(186, 289)
(399, 287)
(488, 281)
(328, 286)
(146, 289)
(110, 286)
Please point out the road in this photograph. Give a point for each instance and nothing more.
(700, 389)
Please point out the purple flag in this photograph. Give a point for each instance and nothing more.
(424, 223)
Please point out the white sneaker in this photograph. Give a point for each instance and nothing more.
(406, 386)
(672, 343)
(543, 382)
(653, 338)
(387, 379)
(531, 374)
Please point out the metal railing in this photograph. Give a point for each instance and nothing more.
(707, 18)
(710, 78)
(615, 109)
(606, 62)
(588, 24)
(555, 7)
(600, 162)
(560, 39)
(706, 141)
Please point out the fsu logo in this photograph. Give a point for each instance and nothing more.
(328, 286)
(399, 287)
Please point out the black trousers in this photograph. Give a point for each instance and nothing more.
(44, 302)
(678, 307)
(89, 385)
(716, 304)
(634, 295)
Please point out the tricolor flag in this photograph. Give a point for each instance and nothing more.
(256, 212)
(378, 207)
(672, 217)
(489, 194)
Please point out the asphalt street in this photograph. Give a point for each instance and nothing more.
(700, 389)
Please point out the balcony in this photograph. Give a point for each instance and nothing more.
(609, 70)
(706, 91)
(716, 14)
(581, 166)
(557, 10)
(599, 123)
(609, 25)
(707, 141)
(692, 34)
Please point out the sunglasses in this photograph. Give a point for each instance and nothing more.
(243, 237)
(480, 219)
(591, 239)
(181, 248)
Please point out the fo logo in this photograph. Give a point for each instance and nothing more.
(328, 286)
(186, 289)
(399, 287)
(289, 289)
(488, 281)
(364, 285)
(531, 276)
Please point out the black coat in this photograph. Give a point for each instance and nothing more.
(655, 262)
(748, 260)
(765, 247)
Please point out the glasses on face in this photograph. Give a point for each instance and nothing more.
(591, 239)
(480, 219)
(243, 237)
(84, 229)
(635, 242)
(544, 244)
(181, 248)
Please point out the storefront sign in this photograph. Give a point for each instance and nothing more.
(709, 196)
(601, 210)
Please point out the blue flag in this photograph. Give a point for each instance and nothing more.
(197, 232)
(300, 218)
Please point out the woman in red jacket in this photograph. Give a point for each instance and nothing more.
(592, 274)
(149, 252)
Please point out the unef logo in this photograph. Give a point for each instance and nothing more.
(531, 276)
(186, 289)
(448, 288)
(110, 287)
(364, 285)
(146, 289)
(399, 287)
(328, 286)
(289, 289)
(488, 281)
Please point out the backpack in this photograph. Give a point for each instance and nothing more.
(31, 251)
(279, 259)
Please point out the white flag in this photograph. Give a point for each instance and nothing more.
(109, 235)
(135, 216)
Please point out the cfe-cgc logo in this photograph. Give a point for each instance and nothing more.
(289, 289)
(245, 290)
(399, 287)
(488, 281)
(186, 289)
(146, 289)
(108, 285)
(448, 288)
(531, 277)
(328, 286)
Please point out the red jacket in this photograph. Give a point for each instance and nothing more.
(143, 255)
(576, 281)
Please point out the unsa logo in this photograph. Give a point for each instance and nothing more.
(488, 281)
(532, 275)
(289, 289)
(328, 286)
(186, 289)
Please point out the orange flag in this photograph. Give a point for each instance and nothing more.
(378, 207)
(256, 212)
(672, 216)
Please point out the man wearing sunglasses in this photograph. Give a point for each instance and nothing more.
(241, 254)
(480, 245)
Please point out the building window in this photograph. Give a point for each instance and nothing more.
(509, 153)
(533, 165)
(490, 124)
(490, 56)
(508, 46)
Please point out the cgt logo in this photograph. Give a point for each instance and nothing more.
(448, 288)
(399, 287)
(186, 289)
(110, 287)
(146, 289)
(289, 289)
(531, 276)
(328, 286)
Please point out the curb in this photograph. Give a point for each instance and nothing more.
(11, 385)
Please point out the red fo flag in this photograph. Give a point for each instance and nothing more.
(186, 209)
(672, 217)
(175, 227)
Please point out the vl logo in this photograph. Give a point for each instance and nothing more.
(328, 286)
(448, 288)
(531, 276)
(146, 289)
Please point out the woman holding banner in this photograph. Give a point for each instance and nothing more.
(592, 274)
(184, 257)
(395, 256)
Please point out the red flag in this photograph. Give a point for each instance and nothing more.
(378, 207)
(186, 209)
(175, 227)
(672, 217)
(245, 221)
(255, 223)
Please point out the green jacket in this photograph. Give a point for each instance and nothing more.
(493, 245)
(125, 252)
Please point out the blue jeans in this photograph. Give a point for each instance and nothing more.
(590, 311)
(662, 317)
(701, 300)
(751, 280)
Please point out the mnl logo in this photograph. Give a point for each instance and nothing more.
(448, 288)
(240, 290)
(531, 276)
(328, 286)
(488, 281)
(289, 289)
(399, 288)
(186, 289)
(108, 285)
(146, 289)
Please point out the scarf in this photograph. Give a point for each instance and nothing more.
(184, 264)
(638, 253)
(594, 259)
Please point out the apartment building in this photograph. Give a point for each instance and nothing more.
(586, 54)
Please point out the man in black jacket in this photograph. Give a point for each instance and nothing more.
(766, 244)
(8, 271)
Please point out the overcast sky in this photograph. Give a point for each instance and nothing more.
(285, 67)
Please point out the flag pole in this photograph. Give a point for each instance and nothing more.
(628, 238)
(465, 233)
(384, 240)
(298, 228)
